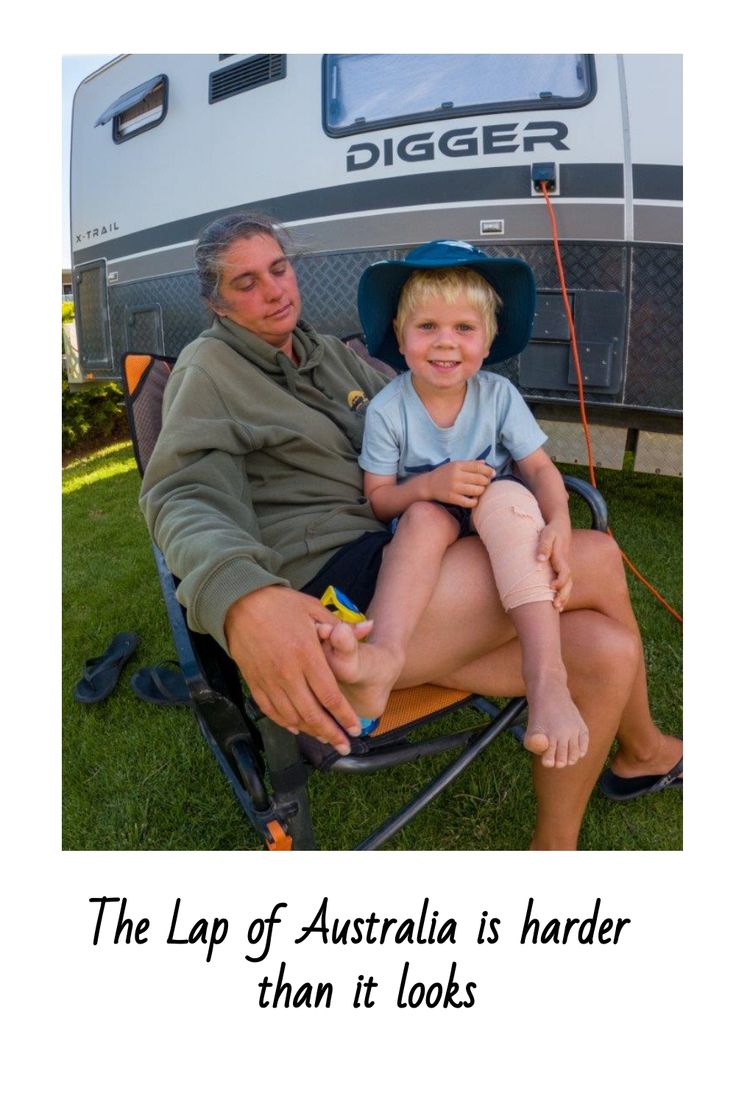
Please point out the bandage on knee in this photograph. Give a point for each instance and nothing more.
(508, 521)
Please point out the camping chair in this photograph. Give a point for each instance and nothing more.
(267, 767)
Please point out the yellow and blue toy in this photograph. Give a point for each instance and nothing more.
(338, 603)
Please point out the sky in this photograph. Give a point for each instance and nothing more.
(74, 68)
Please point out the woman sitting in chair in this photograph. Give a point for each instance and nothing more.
(255, 497)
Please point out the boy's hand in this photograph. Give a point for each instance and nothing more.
(461, 482)
(554, 545)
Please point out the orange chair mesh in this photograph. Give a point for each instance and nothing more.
(135, 366)
(406, 707)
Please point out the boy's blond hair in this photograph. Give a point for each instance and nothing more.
(449, 284)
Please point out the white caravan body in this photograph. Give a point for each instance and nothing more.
(362, 157)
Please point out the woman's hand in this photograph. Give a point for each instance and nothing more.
(554, 546)
(271, 635)
(460, 483)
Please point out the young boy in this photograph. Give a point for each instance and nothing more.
(439, 445)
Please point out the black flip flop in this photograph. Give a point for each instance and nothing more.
(162, 685)
(101, 673)
(626, 789)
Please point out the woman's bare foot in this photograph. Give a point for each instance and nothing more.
(366, 672)
(555, 730)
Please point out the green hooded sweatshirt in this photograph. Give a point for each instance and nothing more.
(254, 480)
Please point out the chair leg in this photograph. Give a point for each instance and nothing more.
(502, 721)
(289, 775)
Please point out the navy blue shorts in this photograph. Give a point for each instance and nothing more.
(463, 514)
(354, 568)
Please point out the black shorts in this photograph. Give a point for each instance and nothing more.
(353, 569)
(463, 514)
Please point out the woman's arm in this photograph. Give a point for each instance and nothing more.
(198, 507)
(196, 500)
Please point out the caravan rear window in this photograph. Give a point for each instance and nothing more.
(147, 113)
(138, 109)
(368, 91)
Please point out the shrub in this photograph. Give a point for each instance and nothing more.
(93, 414)
(96, 413)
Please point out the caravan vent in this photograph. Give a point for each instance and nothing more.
(244, 75)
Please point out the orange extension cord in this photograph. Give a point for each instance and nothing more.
(581, 394)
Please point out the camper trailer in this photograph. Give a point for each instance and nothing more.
(363, 156)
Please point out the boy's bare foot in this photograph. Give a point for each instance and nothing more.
(366, 672)
(555, 730)
(535, 742)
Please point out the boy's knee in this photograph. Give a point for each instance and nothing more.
(504, 495)
(509, 521)
(425, 513)
(428, 520)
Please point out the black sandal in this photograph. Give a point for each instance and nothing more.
(101, 673)
(162, 685)
(626, 789)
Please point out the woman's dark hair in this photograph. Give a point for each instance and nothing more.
(219, 235)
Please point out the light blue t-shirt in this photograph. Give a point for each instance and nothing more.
(494, 425)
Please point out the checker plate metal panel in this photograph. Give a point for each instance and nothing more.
(566, 444)
(659, 453)
(589, 266)
(144, 328)
(329, 287)
(183, 313)
(653, 353)
(654, 367)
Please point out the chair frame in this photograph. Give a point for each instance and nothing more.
(249, 747)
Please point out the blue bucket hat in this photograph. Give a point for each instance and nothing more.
(381, 283)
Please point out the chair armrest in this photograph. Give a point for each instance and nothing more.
(594, 500)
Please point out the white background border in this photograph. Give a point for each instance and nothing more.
(641, 1020)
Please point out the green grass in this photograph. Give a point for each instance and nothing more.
(136, 777)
